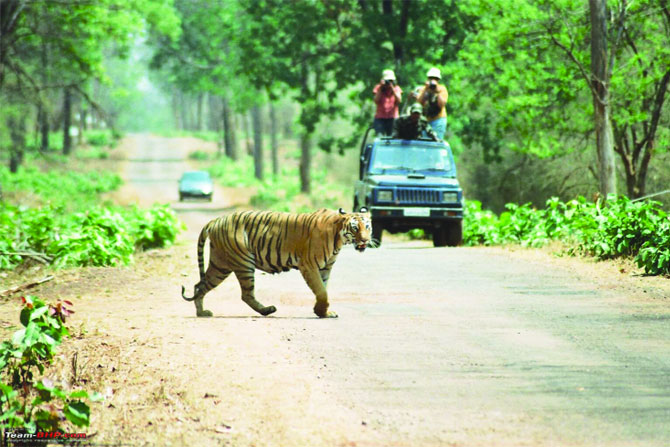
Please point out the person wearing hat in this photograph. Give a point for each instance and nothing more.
(433, 96)
(413, 125)
(387, 98)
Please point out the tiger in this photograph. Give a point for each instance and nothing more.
(275, 242)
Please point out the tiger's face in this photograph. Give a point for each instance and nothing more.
(357, 230)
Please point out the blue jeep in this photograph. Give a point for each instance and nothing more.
(407, 184)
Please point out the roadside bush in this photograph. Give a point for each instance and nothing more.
(58, 188)
(615, 228)
(156, 227)
(654, 255)
(101, 138)
(623, 227)
(97, 237)
(26, 403)
(234, 173)
(199, 155)
(480, 227)
(71, 228)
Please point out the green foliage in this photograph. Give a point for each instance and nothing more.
(97, 237)
(199, 155)
(615, 228)
(28, 404)
(654, 254)
(229, 172)
(283, 192)
(156, 227)
(103, 137)
(61, 188)
(72, 229)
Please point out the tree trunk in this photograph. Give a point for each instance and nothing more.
(67, 121)
(43, 123)
(213, 114)
(600, 82)
(17, 134)
(183, 114)
(198, 113)
(231, 150)
(80, 123)
(305, 162)
(175, 110)
(247, 133)
(274, 143)
(257, 120)
(233, 118)
(43, 115)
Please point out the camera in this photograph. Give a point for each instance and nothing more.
(388, 82)
(432, 85)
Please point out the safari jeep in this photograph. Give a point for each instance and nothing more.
(407, 184)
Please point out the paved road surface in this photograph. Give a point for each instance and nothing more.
(453, 346)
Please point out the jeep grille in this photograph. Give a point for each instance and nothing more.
(418, 195)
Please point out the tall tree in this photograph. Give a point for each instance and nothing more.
(527, 80)
(257, 124)
(600, 85)
(75, 39)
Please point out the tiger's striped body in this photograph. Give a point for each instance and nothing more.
(275, 242)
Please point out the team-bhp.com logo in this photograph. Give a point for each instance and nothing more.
(46, 436)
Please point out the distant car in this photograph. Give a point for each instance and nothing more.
(196, 184)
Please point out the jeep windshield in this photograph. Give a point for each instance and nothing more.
(404, 158)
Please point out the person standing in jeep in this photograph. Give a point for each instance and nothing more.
(433, 97)
(387, 98)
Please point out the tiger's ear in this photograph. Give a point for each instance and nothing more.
(363, 209)
(342, 211)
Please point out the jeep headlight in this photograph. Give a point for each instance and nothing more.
(449, 197)
(385, 196)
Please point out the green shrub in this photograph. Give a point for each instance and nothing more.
(97, 237)
(616, 228)
(229, 172)
(71, 189)
(199, 155)
(27, 404)
(100, 138)
(480, 227)
(156, 227)
(654, 255)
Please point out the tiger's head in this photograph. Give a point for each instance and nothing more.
(357, 229)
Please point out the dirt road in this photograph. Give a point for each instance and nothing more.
(433, 347)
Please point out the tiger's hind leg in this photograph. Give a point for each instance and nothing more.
(213, 277)
(246, 279)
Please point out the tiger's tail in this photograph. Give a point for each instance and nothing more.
(204, 234)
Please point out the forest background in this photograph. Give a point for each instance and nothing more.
(547, 99)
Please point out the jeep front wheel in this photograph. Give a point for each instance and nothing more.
(440, 237)
(454, 235)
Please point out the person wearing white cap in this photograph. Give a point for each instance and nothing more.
(387, 98)
(433, 96)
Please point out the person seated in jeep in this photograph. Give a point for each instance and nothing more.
(413, 126)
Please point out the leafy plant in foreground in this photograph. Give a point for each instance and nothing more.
(25, 403)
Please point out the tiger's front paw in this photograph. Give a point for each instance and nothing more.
(204, 313)
(321, 310)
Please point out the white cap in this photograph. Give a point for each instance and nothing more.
(388, 74)
(434, 73)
